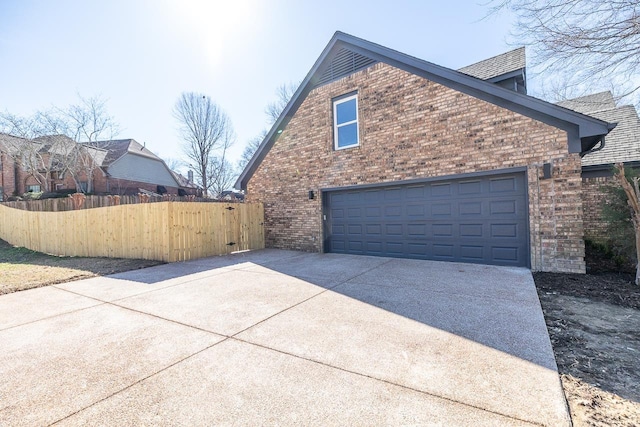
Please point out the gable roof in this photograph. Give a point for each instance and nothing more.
(623, 142)
(584, 132)
(119, 147)
(183, 181)
(498, 65)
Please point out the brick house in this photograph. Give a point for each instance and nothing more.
(116, 167)
(381, 153)
(622, 145)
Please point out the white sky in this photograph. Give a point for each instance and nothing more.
(141, 54)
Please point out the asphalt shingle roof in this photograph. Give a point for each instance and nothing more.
(119, 147)
(590, 103)
(497, 65)
(622, 144)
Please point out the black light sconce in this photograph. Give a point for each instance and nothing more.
(546, 170)
(311, 195)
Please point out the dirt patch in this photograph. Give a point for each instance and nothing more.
(22, 268)
(594, 325)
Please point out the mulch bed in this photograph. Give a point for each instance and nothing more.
(594, 326)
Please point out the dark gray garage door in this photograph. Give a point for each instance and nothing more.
(477, 219)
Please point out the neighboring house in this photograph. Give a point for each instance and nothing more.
(187, 185)
(130, 166)
(115, 167)
(621, 145)
(381, 153)
(41, 165)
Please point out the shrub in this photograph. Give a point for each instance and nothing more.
(32, 195)
(618, 214)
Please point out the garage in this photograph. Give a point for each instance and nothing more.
(473, 218)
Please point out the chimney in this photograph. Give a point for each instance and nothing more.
(190, 176)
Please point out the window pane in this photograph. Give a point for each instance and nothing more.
(346, 111)
(348, 135)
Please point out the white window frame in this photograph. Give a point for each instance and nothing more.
(336, 126)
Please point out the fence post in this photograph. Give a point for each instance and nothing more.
(78, 200)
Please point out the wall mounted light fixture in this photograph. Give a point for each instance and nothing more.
(311, 195)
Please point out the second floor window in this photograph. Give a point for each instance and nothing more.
(345, 122)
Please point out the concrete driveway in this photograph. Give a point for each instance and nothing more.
(282, 338)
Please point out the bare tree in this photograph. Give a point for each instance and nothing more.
(89, 123)
(581, 42)
(223, 175)
(250, 149)
(85, 123)
(206, 133)
(284, 92)
(631, 189)
(173, 163)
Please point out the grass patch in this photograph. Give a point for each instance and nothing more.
(22, 268)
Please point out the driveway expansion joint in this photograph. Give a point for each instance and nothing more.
(360, 374)
(137, 382)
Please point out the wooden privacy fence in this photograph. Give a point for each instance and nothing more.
(165, 231)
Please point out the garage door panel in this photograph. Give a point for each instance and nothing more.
(392, 211)
(471, 230)
(354, 230)
(442, 230)
(500, 185)
(395, 248)
(417, 249)
(419, 230)
(504, 230)
(443, 251)
(373, 212)
(470, 187)
(440, 190)
(472, 253)
(337, 213)
(441, 209)
(416, 192)
(393, 194)
(416, 211)
(470, 208)
(393, 229)
(505, 253)
(480, 219)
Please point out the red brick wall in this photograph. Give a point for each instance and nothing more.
(7, 175)
(410, 128)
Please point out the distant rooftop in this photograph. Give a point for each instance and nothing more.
(622, 144)
(590, 103)
(498, 65)
(119, 147)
